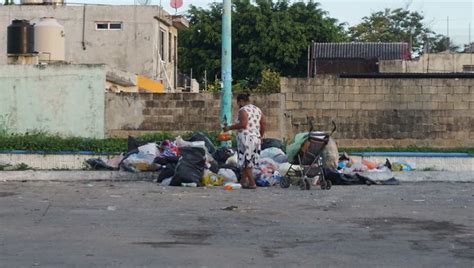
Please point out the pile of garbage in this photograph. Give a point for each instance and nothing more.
(347, 165)
(196, 162)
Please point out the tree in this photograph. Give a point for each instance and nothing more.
(9, 2)
(398, 25)
(439, 43)
(266, 34)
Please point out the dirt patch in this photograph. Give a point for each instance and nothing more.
(181, 238)
(6, 194)
(461, 236)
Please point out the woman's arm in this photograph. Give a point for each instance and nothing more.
(243, 121)
(263, 125)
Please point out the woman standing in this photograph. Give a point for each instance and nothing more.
(250, 128)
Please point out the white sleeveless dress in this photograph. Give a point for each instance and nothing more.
(248, 140)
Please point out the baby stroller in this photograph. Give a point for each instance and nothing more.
(308, 163)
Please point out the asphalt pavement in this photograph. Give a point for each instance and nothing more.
(142, 224)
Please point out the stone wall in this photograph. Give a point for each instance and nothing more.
(368, 112)
(384, 112)
(135, 114)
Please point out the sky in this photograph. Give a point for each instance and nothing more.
(436, 12)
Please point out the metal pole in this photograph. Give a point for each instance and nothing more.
(226, 66)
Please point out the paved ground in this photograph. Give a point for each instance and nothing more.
(140, 224)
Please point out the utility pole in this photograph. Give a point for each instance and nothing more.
(226, 66)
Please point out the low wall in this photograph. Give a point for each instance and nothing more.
(49, 161)
(384, 112)
(135, 114)
(368, 112)
(62, 99)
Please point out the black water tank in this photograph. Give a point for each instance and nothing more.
(20, 38)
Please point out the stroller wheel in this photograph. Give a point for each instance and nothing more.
(285, 182)
(302, 184)
(329, 185)
(323, 184)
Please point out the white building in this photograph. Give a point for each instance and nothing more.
(130, 38)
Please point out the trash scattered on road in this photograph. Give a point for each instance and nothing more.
(230, 208)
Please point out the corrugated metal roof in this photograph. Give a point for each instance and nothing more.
(381, 51)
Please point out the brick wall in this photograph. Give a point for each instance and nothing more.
(368, 112)
(384, 112)
(135, 114)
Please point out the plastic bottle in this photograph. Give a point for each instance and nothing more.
(192, 184)
(232, 186)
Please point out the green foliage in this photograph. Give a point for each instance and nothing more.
(5, 124)
(439, 43)
(397, 25)
(266, 34)
(214, 87)
(408, 149)
(52, 143)
(270, 82)
(8, 2)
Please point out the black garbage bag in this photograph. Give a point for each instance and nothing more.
(199, 136)
(190, 167)
(355, 179)
(133, 144)
(269, 143)
(222, 154)
(166, 172)
(346, 179)
(165, 160)
(98, 164)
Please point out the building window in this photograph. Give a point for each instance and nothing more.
(175, 48)
(108, 25)
(468, 68)
(170, 47)
(162, 45)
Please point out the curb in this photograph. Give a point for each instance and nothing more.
(70, 176)
(424, 176)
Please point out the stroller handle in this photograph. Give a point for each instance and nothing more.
(334, 127)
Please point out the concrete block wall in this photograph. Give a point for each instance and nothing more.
(384, 112)
(136, 114)
(368, 112)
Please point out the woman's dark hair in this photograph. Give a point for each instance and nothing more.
(245, 96)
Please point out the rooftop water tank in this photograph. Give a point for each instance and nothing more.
(49, 40)
(20, 38)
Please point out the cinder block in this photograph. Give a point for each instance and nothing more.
(331, 97)
(344, 113)
(383, 105)
(353, 105)
(365, 105)
(461, 90)
(382, 90)
(366, 90)
(338, 105)
(439, 97)
(446, 105)
(293, 105)
(423, 97)
(408, 98)
(308, 105)
(454, 97)
(430, 105)
(323, 105)
(346, 97)
(461, 106)
(429, 90)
